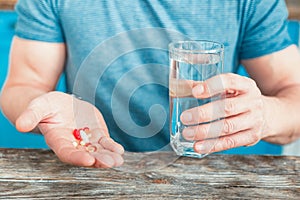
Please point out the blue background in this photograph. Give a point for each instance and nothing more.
(11, 138)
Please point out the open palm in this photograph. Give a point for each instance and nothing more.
(56, 115)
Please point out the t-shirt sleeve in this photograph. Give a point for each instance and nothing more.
(265, 29)
(38, 20)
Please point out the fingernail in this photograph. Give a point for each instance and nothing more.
(198, 90)
(187, 116)
(189, 134)
(119, 161)
(119, 149)
(108, 160)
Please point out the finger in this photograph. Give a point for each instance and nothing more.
(88, 115)
(220, 128)
(61, 142)
(111, 145)
(181, 87)
(107, 159)
(220, 109)
(243, 138)
(75, 156)
(224, 83)
(97, 133)
(67, 153)
(36, 111)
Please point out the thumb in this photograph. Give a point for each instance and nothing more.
(32, 116)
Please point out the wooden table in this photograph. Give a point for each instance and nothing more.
(39, 174)
(293, 6)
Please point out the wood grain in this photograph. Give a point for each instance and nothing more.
(39, 174)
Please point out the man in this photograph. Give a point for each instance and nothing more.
(114, 54)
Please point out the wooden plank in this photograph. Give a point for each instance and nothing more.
(293, 6)
(38, 173)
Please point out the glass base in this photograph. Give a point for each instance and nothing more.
(185, 149)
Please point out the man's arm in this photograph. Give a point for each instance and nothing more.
(28, 101)
(35, 68)
(264, 108)
(278, 77)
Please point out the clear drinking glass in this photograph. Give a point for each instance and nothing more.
(190, 62)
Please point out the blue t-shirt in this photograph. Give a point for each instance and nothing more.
(117, 54)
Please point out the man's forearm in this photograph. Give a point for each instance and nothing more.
(282, 116)
(15, 99)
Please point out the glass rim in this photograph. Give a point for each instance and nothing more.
(218, 49)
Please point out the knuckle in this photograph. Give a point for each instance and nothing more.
(257, 114)
(252, 82)
(254, 137)
(254, 87)
(202, 132)
(225, 143)
(201, 114)
(36, 115)
(232, 81)
(35, 106)
(229, 107)
(260, 121)
(229, 143)
(229, 126)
